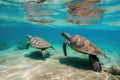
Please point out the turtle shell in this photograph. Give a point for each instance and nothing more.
(84, 46)
(38, 42)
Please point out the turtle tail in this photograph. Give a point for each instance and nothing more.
(52, 47)
(95, 62)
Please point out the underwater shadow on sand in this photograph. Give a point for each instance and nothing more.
(76, 62)
(4, 45)
(37, 55)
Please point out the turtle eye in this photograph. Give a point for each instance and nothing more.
(29, 36)
(62, 34)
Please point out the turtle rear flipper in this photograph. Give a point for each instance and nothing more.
(95, 63)
(27, 45)
(44, 52)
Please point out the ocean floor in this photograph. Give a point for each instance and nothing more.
(16, 64)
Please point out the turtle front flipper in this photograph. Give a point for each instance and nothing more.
(64, 47)
(27, 45)
(44, 52)
(95, 63)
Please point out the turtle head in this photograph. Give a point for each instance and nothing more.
(66, 35)
(29, 36)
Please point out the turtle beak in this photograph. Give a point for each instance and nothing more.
(28, 36)
(66, 35)
(62, 34)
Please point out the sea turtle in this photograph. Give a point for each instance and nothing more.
(84, 46)
(38, 43)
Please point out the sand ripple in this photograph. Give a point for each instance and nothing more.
(56, 67)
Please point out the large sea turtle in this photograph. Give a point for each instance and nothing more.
(84, 46)
(38, 43)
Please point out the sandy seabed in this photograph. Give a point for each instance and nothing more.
(30, 65)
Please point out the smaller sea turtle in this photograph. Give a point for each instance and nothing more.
(83, 45)
(38, 43)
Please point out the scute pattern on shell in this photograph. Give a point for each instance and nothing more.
(39, 43)
(84, 45)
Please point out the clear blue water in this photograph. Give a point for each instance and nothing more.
(14, 27)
